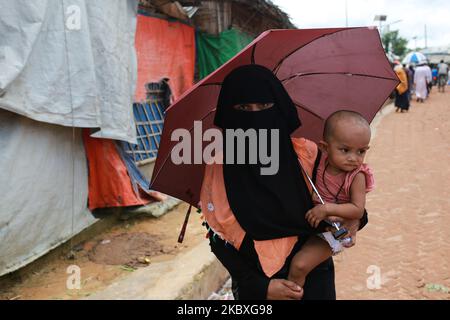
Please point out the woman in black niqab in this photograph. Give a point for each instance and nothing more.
(266, 206)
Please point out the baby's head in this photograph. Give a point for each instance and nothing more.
(346, 138)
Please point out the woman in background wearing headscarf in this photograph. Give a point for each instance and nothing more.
(256, 223)
(401, 97)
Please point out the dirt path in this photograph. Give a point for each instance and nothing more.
(406, 244)
(48, 281)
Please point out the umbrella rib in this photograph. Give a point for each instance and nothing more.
(275, 70)
(211, 84)
(165, 160)
(338, 73)
(303, 107)
(253, 54)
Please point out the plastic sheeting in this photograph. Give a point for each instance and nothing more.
(37, 177)
(71, 63)
(213, 51)
(164, 49)
(139, 182)
(109, 182)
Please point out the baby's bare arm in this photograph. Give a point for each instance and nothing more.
(355, 208)
(349, 211)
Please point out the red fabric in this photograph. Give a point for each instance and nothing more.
(164, 49)
(109, 183)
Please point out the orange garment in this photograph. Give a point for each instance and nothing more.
(401, 74)
(216, 210)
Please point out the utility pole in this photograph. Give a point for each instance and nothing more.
(426, 40)
(380, 18)
(346, 13)
(415, 42)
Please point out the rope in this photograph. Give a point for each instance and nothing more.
(71, 254)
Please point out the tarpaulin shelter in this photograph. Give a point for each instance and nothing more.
(43, 188)
(110, 181)
(164, 49)
(214, 50)
(65, 66)
(71, 64)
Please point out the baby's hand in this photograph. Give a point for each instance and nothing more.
(352, 227)
(316, 214)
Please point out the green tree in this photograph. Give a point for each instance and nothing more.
(393, 42)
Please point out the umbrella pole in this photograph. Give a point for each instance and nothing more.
(183, 228)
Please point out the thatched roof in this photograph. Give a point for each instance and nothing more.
(175, 9)
(268, 9)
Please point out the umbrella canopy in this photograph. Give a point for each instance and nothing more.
(323, 70)
(414, 58)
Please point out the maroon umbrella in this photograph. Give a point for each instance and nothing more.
(323, 70)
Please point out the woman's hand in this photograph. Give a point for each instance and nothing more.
(282, 289)
(316, 214)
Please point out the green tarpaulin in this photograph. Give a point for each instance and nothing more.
(215, 50)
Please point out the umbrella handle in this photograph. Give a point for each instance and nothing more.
(183, 228)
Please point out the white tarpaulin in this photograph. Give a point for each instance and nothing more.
(37, 177)
(436, 54)
(70, 62)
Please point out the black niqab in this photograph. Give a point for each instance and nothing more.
(266, 206)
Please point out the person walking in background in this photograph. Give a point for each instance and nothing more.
(401, 97)
(442, 76)
(411, 72)
(166, 92)
(430, 81)
(410, 77)
(434, 74)
(422, 76)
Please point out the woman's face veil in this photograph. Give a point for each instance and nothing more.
(254, 84)
(266, 206)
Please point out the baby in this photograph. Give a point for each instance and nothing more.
(342, 181)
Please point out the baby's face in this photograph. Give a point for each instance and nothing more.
(348, 146)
